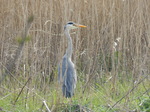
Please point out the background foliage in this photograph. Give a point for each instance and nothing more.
(105, 73)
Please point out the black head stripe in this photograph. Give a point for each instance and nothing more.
(70, 23)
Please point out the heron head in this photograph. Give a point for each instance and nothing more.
(72, 25)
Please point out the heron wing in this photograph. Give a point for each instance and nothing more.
(68, 75)
(70, 79)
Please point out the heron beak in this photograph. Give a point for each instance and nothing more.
(80, 26)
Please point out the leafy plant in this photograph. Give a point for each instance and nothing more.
(145, 105)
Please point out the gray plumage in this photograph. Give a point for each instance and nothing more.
(69, 77)
(66, 71)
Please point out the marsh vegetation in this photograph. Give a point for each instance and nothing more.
(112, 77)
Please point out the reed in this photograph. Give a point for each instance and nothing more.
(96, 59)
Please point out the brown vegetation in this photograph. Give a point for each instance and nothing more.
(95, 58)
(106, 21)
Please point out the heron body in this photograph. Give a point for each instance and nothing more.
(69, 77)
(67, 72)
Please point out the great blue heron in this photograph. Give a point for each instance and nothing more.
(66, 71)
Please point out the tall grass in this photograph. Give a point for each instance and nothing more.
(98, 64)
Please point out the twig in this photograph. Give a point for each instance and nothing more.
(21, 90)
(146, 90)
(144, 93)
(129, 91)
(46, 106)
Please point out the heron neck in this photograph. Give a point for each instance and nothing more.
(69, 48)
